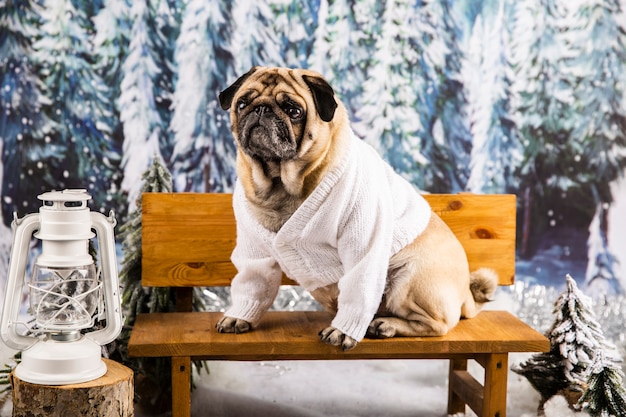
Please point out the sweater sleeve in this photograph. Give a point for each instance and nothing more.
(258, 278)
(364, 248)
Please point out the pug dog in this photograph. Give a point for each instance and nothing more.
(317, 203)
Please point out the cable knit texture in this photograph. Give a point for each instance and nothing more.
(360, 215)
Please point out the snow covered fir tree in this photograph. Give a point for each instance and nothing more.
(605, 395)
(152, 375)
(575, 334)
(581, 364)
(457, 96)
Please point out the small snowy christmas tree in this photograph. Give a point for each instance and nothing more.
(575, 338)
(152, 374)
(575, 332)
(605, 395)
(136, 299)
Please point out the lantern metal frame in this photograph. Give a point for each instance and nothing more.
(58, 353)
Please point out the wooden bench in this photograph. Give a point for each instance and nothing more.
(187, 242)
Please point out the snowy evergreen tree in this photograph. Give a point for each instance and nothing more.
(155, 373)
(110, 42)
(112, 33)
(575, 333)
(28, 153)
(467, 11)
(601, 277)
(598, 39)
(135, 298)
(79, 104)
(575, 340)
(390, 114)
(204, 150)
(165, 26)
(496, 151)
(256, 41)
(447, 141)
(598, 65)
(142, 123)
(345, 44)
(295, 22)
(545, 117)
(319, 53)
(413, 106)
(474, 75)
(605, 395)
(545, 372)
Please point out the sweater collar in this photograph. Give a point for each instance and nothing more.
(309, 207)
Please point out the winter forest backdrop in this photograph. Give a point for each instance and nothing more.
(494, 96)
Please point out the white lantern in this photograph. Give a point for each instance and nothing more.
(65, 291)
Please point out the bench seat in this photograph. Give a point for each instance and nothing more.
(289, 335)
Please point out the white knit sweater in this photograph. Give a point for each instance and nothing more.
(360, 215)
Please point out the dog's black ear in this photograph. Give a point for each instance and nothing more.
(323, 95)
(226, 96)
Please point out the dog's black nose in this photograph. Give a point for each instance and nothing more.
(261, 110)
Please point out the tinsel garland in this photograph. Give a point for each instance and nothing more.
(532, 303)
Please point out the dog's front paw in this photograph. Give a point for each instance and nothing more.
(232, 325)
(335, 337)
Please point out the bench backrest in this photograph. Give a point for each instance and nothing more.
(187, 238)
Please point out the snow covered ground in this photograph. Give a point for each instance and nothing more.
(346, 389)
(341, 388)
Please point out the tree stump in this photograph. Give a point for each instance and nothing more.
(108, 396)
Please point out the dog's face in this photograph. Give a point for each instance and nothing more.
(273, 110)
(290, 130)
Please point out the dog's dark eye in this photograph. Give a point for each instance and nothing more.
(241, 104)
(294, 112)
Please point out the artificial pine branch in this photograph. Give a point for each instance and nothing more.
(546, 374)
(605, 395)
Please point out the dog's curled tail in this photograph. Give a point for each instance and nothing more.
(483, 284)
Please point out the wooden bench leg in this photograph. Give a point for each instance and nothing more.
(455, 402)
(181, 386)
(496, 372)
(488, 399)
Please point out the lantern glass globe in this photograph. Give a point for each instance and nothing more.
(64, 298)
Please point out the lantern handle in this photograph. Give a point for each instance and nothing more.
(23, 230)
(112, 300)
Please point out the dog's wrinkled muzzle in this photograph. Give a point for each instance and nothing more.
(264, 135)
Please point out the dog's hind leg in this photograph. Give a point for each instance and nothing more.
(384, 327)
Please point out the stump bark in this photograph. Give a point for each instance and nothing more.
(108, 396)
